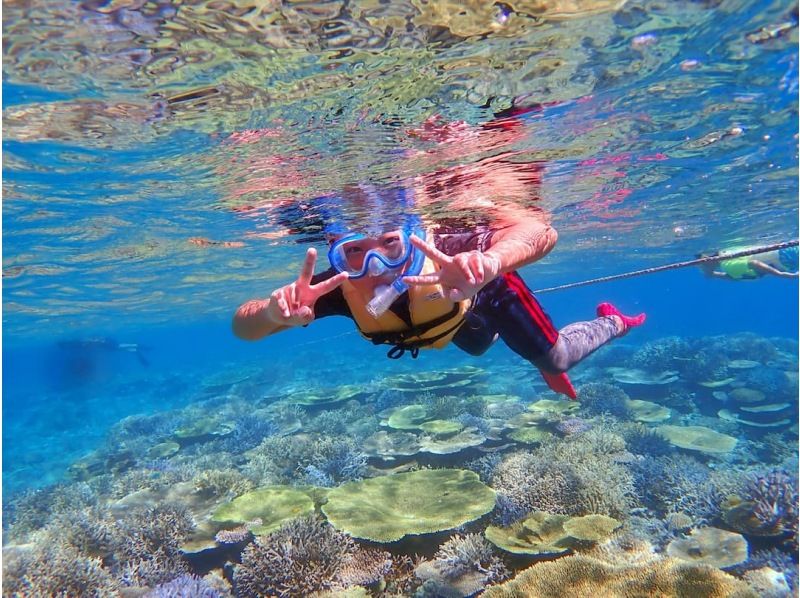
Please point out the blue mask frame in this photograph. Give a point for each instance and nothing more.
(373, 259)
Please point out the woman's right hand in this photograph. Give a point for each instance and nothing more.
(293, 304)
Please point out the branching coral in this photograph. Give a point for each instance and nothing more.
(774, 497)
(56, 571)
(772, 382)
(678, 482)
(659, 355)
(184, 586)
(598, 397)
(572, 426)
(249, 430)
(642, 440)
(222, 483)
(33, 510)
(363, 567)
(744, 345)
(461, 554)
(148, 551)
(320, 460)
(577, 476)
(525, 482)
(462, 566)
(305, 556)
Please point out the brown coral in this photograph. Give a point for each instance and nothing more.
(584, 576)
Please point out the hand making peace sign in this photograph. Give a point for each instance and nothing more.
(461, 275)
(293, 304)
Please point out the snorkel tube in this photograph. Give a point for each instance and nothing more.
(388, 294)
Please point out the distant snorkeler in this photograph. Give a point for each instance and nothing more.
(780, 262)
(415, 286)
(106, 345)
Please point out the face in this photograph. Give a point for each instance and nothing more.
(391, 245)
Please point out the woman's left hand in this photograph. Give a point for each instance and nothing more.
(461, 275)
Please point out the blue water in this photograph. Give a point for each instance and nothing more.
(665, 131)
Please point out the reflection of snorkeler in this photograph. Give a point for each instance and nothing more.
(782, 263)
(85, 347)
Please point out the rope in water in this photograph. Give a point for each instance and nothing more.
(700, 260)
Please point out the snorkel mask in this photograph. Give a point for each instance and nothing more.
(360, 256)
(382, 245)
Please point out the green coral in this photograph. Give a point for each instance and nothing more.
(546, 533)
(273, 505)
(387, 508)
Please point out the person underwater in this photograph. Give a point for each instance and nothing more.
(417, 287)
(780, 262)
(104, 345)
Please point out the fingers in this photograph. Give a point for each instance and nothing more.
(430, 251)
(476, 266)
(326, 286)
(278, 298)
(423, 279)
(306, 314)
(287, 310)
(463, 262)
(456, 295)
(308, 266)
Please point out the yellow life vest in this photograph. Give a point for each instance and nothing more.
(435, 318)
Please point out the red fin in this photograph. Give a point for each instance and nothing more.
(561, 384)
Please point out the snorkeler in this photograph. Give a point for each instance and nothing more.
(104, 344)
(781, 262)
(415, 287)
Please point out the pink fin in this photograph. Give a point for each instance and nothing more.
(561, 384)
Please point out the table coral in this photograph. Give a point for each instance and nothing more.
(387, 508)
(585, 576)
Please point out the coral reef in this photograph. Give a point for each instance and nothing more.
(597, 398)
(661, 354)
(462, 566)
(710, 546)
(681, 483)
(59, 571)
(644, 441)
(585, 576)
(769, 508)
(322, 461)
(142, 511)
(272, 506)
(185, 586)
(577, 476)
(387, 508)
(305, 556)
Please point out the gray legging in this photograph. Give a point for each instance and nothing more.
(576, 341)
(506, 307)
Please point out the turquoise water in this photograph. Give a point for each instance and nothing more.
(155, 155)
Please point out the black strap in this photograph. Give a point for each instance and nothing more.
(400, 341)
(390, 338)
